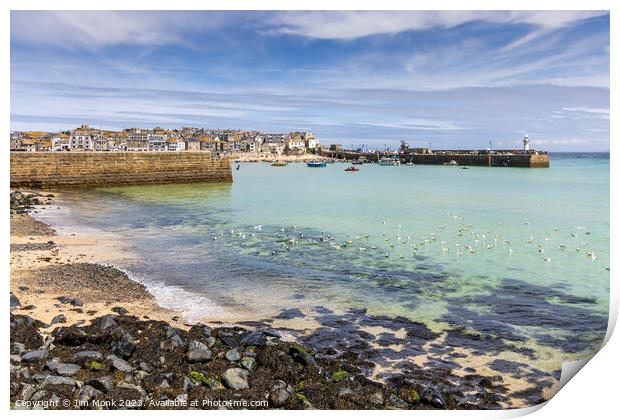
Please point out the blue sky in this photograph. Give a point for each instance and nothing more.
(456, 79)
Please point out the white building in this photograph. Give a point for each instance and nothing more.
(295, 143)
(175, 145)
(80, 140)
(157, 142)
(61, 143)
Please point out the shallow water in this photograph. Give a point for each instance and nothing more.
(517, 254)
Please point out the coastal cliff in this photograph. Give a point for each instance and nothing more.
(98, 169)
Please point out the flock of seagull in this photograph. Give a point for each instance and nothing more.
(468, 241)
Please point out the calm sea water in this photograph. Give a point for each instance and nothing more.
(521, 254)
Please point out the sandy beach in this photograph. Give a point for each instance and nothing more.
(46, 266)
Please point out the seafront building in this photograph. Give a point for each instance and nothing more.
(221, 142)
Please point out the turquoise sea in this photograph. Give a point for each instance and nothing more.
(513, 255)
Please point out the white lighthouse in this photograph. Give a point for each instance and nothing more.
(526, 143)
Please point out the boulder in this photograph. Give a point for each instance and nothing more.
(233, 355)
(248, 363)
(34, 355)
(59, 380)
(104, 384)
(87, 355)
(280, 392)
(88, 393)
(18, 348)
(63, 369)
(125, 346)
(254, 338)
(198, 352)
(236, 378)
(15, 303)
(120, 364)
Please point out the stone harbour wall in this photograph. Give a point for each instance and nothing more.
(99, 169)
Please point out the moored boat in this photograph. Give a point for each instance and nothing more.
(351, 169)
(316, 164)
(388, 161)
(278, 163)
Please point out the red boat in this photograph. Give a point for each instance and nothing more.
(351, 169)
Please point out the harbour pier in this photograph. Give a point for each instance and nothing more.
(522, 158)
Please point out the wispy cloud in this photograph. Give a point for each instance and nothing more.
(348, 25)
(447, 77)
(98, 29)
(417, 124)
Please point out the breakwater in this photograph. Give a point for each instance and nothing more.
(499, 158)
(98, 169)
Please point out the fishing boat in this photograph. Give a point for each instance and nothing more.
(316, 164)
(388, 161)
(352, 169)
(278, 163)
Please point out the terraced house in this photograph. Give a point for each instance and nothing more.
(86, 138)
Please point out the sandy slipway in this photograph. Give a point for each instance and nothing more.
(119, 361)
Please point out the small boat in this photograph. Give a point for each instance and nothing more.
(410, 163)
(451, 163)
(352, 169)
(277, 163)
(238, 166)
(316, 164)
(387, 161)
(464, 167)
(357, 162)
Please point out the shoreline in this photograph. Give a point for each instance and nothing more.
(38, 264)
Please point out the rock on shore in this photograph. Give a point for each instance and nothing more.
(119, 357)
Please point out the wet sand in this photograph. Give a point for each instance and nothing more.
(46, 266)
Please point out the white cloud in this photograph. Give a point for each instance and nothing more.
(581, 112)
(96, 29)
(564, 142)
(417, 124)
(347, 25)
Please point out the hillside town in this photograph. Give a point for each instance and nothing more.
(221, 142)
